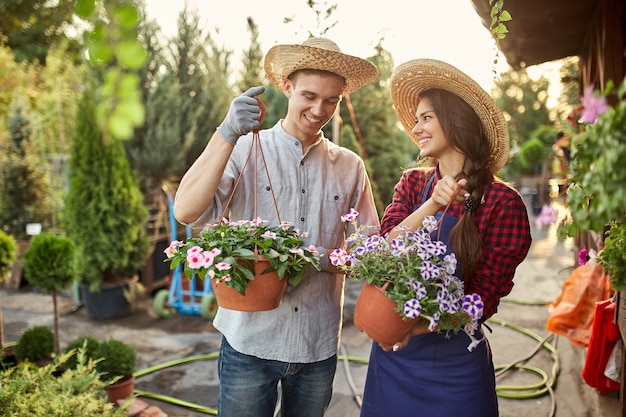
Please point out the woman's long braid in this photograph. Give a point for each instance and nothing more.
(466, 241)
(464, 130)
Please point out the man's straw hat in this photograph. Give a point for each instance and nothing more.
(411, 78)
(320, 54)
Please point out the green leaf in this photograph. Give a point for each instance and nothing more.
(127, 16)
(130, 54)
(120, 126)
(100, 53)
(248, 275)
(501, 28)
(131, 111)
(85, 8)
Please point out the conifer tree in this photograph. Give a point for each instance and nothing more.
(105, 214)
(200, 69)
(252, 73)
(23, 184)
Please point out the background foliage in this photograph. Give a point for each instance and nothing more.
(185, 86)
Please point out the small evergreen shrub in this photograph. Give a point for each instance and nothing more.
(118, 360)
(89, 346)
(35, 344)
(28, 391)
(49, 262)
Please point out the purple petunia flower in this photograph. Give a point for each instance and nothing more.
(418, 288)
(412, 308)
(449, 263)
(434, 321)
(429, 270)
(473, 305)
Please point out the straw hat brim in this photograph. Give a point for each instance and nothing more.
(411, 78)
(283, 60)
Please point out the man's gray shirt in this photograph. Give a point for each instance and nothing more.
(312, 191)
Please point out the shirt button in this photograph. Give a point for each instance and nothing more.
(301, 219)
(303, 191)
(295, 309)
(267, 188)
(336, 197)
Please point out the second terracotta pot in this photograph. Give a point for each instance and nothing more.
(375, 315)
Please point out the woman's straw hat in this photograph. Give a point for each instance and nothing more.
(320, 54)
(411, 78)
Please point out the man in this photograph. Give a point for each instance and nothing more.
(313, 182)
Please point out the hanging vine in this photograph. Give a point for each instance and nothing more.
(498, 28)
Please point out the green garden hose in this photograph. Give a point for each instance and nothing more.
(544, 386)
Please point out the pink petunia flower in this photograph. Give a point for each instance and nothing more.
(583, 256)
(350, 216)
(173, 248)
(269, 235)
(222, 266)
(338, 257)
(195, 260)
(194, 250)
(208, 259)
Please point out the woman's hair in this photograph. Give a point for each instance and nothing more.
(465, 133)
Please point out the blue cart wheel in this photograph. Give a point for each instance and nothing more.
(208, 306)
(160, 304)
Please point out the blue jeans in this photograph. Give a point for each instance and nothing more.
(249, 385)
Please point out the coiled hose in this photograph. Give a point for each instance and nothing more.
(543, 387)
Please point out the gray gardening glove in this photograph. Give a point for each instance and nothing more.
(243, 116)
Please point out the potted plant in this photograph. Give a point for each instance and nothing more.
(105, 217)
(50, 264)
(411, 271)
(237, 256)
(595, 195)
(116, 365)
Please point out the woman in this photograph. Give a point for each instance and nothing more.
(459, 128)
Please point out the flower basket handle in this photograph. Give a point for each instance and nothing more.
(256, 146)
(454, 194)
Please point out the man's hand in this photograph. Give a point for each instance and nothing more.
(243, 116)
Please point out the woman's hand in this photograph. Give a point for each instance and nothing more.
(446, 190)
(420, 327)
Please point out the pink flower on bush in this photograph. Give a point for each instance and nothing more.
(269, 235)
(222, 266)
(548, 216)
(592, 106)
(195, 259)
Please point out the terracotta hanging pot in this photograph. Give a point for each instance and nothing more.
(263, 292)
(375, 315)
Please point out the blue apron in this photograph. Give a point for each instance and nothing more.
(432, 376)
